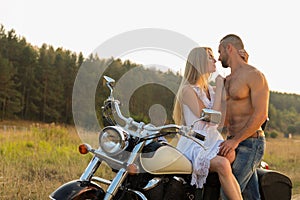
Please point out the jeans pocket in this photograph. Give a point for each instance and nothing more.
(243, 156)
(260, 145)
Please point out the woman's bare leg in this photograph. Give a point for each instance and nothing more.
(228, 182)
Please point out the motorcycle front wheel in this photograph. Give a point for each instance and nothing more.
(78, 190)
(90, 195)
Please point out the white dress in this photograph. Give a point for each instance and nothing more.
(199, 157)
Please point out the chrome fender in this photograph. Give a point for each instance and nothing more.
(77, 189)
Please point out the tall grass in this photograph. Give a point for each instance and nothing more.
(37, 159)
(283, 155)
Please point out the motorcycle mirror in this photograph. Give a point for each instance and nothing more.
(110, 81)
(209, 115)
(110, 84)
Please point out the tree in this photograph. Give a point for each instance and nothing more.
(50, 85)
(291, 129)
(10, 98)
(65, 64)
(27, 79)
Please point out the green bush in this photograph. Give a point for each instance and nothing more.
(273, 134)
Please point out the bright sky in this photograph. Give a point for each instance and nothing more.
(269, 29)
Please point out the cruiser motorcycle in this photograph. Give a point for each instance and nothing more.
(145, 166)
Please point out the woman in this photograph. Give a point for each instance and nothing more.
(193, 95)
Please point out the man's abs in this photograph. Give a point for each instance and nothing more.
(238, 113)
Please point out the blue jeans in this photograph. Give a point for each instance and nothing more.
(248, 157)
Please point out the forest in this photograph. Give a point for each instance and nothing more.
(36, 84)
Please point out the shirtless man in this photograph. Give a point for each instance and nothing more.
(247, 99)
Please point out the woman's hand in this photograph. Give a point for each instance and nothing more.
(243, 53)
(219, 94)
(219, 81)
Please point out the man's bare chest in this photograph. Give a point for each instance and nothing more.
(236, 89)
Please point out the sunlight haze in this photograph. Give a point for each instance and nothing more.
(268, 28)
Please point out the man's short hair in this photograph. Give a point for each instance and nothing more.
(233, 39)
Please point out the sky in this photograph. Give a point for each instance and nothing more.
(269, 29)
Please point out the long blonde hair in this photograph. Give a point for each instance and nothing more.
(196, 71)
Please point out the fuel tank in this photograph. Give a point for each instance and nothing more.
(160, 158)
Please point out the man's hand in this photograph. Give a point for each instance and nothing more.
(227, 146)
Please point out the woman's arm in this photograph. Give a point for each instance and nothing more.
(219, 94)
(191, 99)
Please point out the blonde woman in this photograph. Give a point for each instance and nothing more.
(193, 95)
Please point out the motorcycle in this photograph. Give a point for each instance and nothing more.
(147, 167)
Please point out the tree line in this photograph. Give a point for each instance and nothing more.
(36, 83)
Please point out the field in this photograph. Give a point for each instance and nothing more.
(37, 158)
(283, 155)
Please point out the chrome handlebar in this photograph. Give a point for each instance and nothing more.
(185, 131)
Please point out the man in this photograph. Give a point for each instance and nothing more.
(247, 99)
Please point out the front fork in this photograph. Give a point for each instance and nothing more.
(90, 169)
(122, 173)
(114, 185)
(87, 176)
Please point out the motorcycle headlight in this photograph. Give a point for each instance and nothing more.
(113, 140)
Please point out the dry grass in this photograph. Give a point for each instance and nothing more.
(283, 155)
(36, 159)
